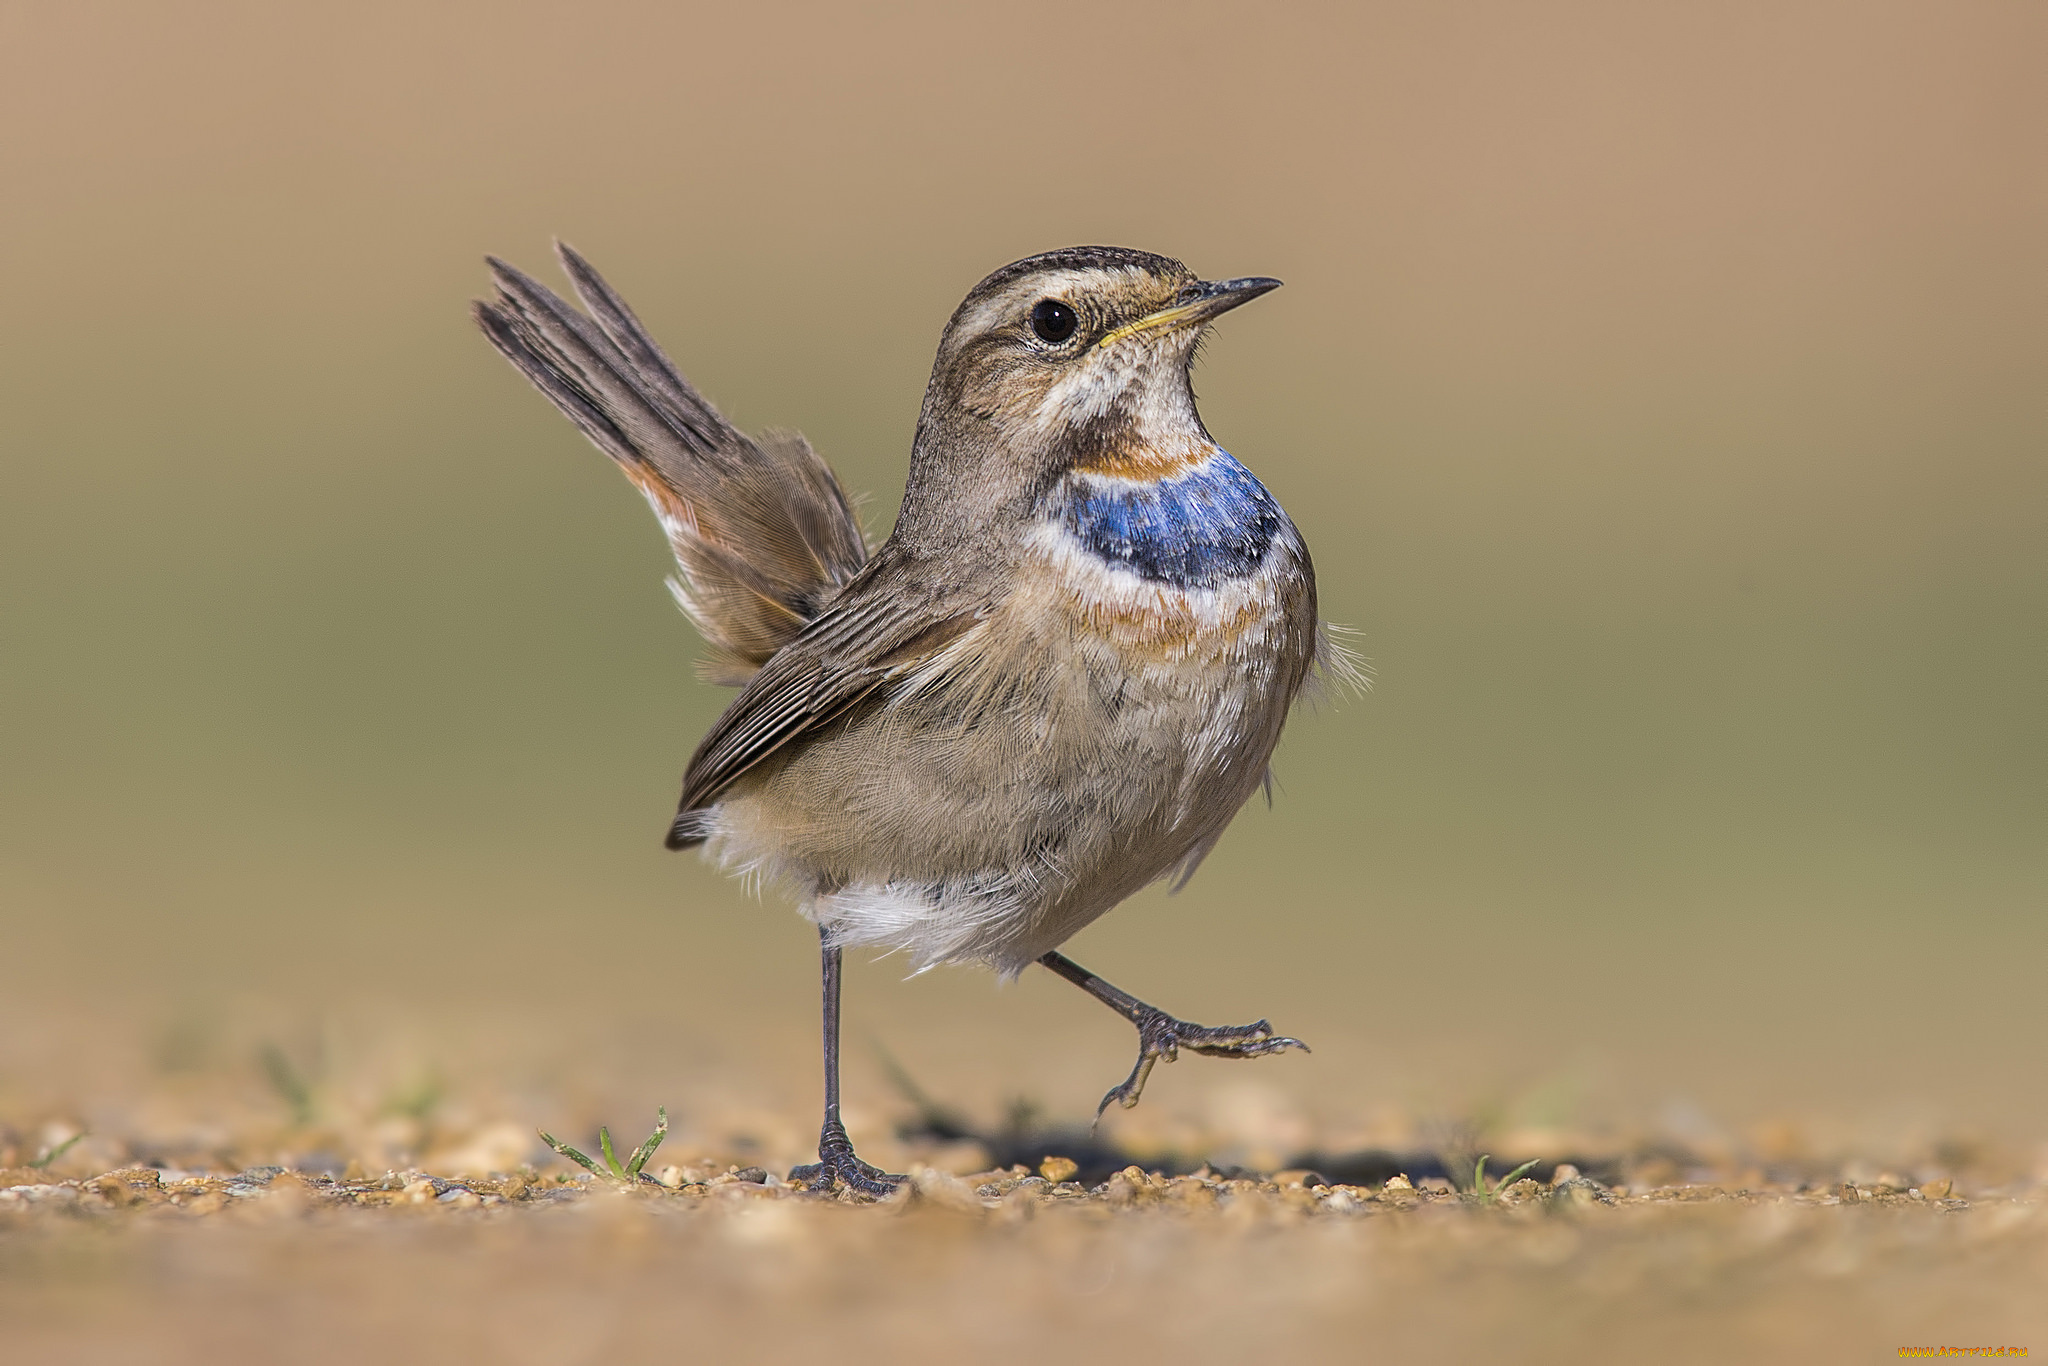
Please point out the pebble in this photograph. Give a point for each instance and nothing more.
(1058, 1169)
(1579, 1191)
(53, 1194)
(946, 1190)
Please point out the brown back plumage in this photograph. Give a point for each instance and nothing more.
(762, 532)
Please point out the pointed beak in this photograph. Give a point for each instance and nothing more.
(1197, 304)
(1220, 296)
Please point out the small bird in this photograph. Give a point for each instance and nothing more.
(1055, 683)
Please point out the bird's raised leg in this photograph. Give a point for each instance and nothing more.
(836, 1160)
(1160, 1036)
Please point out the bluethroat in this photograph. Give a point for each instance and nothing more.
(1055, 683)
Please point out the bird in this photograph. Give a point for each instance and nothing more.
(1055, 682)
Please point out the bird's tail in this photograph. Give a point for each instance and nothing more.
(762, 532)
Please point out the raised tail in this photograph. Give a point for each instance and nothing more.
(762, 532)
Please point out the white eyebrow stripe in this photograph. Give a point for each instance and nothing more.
(1010, 303)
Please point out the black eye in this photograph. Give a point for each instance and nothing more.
(1053, 321)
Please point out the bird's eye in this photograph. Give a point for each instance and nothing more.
(1053, 321)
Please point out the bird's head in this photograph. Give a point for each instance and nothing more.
(1074, 359)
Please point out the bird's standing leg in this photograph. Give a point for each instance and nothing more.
(1162, 1036)
(836, 1159)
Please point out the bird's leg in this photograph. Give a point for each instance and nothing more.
(1160, 1036)
(836, 1159)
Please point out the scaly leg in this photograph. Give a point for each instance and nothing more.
(836, 1159)
(1160, 1036)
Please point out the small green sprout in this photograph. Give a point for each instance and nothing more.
(417, 1101)
(1483, 1194)
(626, 1175)
(50, 1155)
(289, 1083)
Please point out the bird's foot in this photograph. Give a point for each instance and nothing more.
(1161, 1037)
(838, 1164)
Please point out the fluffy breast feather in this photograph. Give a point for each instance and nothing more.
(1096, 731)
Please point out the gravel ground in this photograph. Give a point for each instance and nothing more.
(716, 1261)
(173, 1196)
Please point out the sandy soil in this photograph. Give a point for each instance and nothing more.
(1643, 1255)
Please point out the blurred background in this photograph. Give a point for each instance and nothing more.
(1660, 389)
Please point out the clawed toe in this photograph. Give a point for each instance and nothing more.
(837, 1165)
(1237, 1041)
(1161, 1037)
(821, 1177)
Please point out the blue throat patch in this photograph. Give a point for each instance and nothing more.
(1195, 530)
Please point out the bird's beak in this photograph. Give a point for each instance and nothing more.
(1196, 304)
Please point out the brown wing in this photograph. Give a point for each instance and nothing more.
(868, 637)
